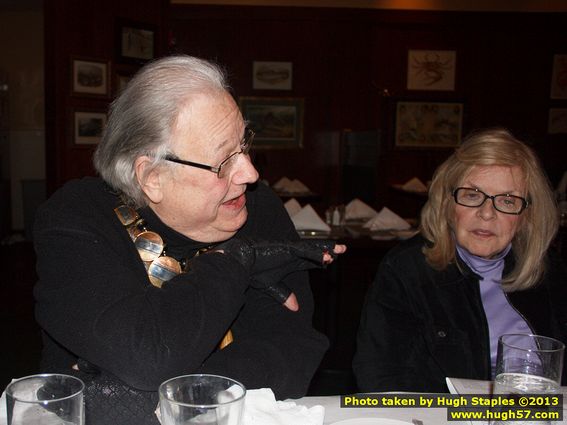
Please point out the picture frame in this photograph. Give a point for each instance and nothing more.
(428, 124)
(136, 42)
(431, 70)
(272, 75)
(557, 123)
(90, 77)
(277, 121)
(88, 127)
(559, 77)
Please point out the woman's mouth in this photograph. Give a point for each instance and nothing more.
(482, 233)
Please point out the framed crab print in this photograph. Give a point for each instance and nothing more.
(431, 69)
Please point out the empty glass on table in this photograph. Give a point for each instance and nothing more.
(48, 399)
(201, 399)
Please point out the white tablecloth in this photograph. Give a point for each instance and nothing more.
(334, 413)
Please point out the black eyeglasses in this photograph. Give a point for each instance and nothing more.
(225, 166)
(505, 203)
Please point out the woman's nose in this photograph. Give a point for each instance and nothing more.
(487, 211)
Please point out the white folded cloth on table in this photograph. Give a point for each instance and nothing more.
(386, 219)
(290, 186)
(414, 185)
(261, 408)
(356, 209)
(3, 409)
(308, 219)
(292, 207)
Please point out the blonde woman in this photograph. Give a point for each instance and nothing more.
(480, 268)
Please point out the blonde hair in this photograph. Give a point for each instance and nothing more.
(540, 220)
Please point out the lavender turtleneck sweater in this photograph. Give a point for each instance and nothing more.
(501, 316)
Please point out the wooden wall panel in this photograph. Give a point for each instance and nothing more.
(344, 58)
(86, 29)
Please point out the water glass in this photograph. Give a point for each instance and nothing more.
(528, 364)
(201, 399)
(48, 399)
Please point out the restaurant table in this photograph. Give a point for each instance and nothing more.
(334, 413)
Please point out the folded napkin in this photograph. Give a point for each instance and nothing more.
(290, 186)
(386, 219)
(261, 408)
(414, 185)
(292, 207)
(356, 209)
(281, 183)
(308, 219)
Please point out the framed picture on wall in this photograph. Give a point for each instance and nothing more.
(431, 69)
(557, 123)
(90, 77)
(88, 127)
(272, 75)
(428, 124)
(136, 42)
(559, 77)
(277, 121)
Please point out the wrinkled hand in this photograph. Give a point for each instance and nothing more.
(268, 262)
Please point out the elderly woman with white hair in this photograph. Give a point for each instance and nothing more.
(174, 261)
(480, 267)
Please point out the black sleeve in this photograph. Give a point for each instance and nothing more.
(389, 342)
(273, 347)
(94, 299)
(97, 302)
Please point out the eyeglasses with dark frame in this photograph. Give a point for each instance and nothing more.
(224, 167)
(504, 202)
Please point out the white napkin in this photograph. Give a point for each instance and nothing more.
(292, 207)
(261, 408)
(290, 186)
(307, 219)
(356, 209)
(3, 409)
(282, 183)
(386, 219)
(414, 185)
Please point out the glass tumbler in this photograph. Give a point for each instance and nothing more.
(201, 399)
(528, 364)
(48, 399)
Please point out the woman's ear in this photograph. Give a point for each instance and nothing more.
(149, 178)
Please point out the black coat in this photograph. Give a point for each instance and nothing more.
(94, 302)
(420, 325)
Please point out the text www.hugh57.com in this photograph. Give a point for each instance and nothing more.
(501, 415)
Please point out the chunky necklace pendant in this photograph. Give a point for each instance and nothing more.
(151, 247)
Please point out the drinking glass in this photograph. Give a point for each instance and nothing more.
(48, 399)
(201, 399)
(528, 364)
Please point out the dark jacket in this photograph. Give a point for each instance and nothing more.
(420, 325)
(95, 303)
